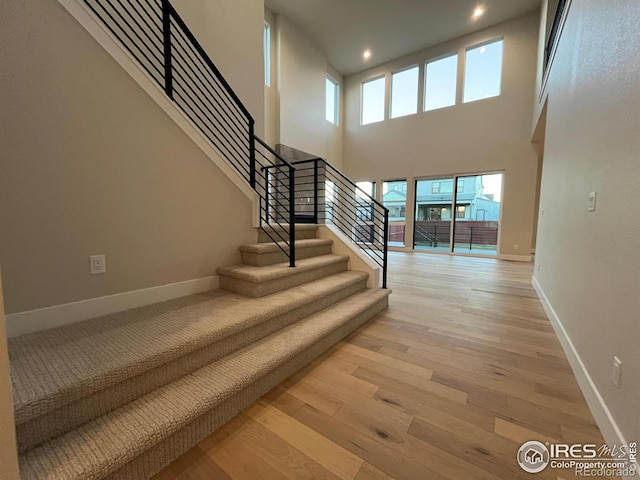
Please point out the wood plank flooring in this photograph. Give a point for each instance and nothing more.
(446, 384)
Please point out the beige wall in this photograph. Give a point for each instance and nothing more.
(8, 451)
(231, 33)
(91, 165)
(488, 135)
(302, 69)
(588, 263)
(295, 102)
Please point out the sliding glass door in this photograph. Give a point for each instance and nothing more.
(477, 214)
(432, 224)
(394, 197)
(465, 209)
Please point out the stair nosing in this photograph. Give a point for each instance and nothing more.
(270, 247)
(253, 274)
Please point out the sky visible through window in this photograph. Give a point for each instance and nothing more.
(404, 92)
(440, 83)
(266, 50)
(483, 72)
(373, 101)
(331, 101)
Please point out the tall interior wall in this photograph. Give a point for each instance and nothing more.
(92, 165)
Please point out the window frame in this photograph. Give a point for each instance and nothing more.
(336, 101)
(465, 70)
(424, 83)
(395, 72)
(362, 84)
(266, 53)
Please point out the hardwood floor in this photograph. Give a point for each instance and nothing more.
(446, 384)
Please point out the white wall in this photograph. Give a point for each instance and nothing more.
(231, 33)
(91, 165)
(487, 135)
(8, 451)
(295, 102)
(588, 263)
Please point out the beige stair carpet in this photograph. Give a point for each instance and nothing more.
(138, 430)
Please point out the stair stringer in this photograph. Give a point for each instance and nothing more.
(358, 260)
(95, 28)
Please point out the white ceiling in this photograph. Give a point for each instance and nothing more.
(343, 29)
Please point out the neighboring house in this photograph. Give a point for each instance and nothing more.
(434, 197)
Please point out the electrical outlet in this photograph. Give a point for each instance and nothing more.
(98, 264)
(616, 371)
(591, 202)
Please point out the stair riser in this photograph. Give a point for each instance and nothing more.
(284, 235)
(152, 461)
(75, 414)
(269, 287)
(271, 258)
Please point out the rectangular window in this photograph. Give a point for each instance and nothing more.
(332, 101)
(441, 77)
(373, 101)
(483, 71)
(460, 187)
(266, 47)
(435, 187)
(404, 92)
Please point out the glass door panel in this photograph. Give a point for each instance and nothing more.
(477, 214)
(364, 230)
(394, 197)
(432, 225)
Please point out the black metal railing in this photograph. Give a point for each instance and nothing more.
(312, 191)
(155, 35)
(324, 195)
(552, 37)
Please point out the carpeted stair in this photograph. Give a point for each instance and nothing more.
(123, 395)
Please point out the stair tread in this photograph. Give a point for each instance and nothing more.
(54, 367)
(269, 272)
(105, 444)
(275, 247)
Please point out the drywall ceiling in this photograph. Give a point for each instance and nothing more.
(343, 29)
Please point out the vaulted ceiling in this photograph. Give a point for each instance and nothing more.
(344, 29)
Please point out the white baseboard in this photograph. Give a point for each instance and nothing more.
(58, 315)
(515, 258)
(601, 413)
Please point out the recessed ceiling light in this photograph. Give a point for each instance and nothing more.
(366, 54)
(478, 12)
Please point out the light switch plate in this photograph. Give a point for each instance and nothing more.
(591, 198)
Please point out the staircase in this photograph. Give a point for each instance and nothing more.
(121, 396)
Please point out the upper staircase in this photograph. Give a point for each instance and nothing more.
(121, 396)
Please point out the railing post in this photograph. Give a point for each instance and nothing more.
(252, 154)
(292, 217)
(315, 191)
(166, 34)
(386, 249)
